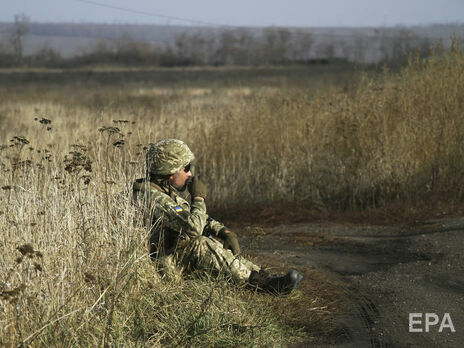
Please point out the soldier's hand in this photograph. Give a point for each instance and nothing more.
(230, 241)
(196, 188)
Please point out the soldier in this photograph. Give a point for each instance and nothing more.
(182, 235)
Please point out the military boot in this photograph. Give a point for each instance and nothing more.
(278, 285)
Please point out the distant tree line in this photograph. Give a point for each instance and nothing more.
(224, 47)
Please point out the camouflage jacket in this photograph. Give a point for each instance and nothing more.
(171, 216)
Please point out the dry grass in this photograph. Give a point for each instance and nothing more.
(75, 269)
(74, 262)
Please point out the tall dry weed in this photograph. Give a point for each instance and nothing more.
(74, 261)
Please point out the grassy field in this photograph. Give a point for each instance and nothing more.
(74, 264)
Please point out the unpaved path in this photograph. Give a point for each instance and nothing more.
(381, 274)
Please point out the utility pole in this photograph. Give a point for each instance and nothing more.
(20, 28)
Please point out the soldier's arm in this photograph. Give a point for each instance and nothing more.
(176, 218)
(215, 227)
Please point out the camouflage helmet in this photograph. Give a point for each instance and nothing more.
(167, 157)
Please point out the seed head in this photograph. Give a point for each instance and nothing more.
(76, 162)
(119, 143)
(110, 130)
(19, 140)
(44, 120)
(38, 267)
(26, 249)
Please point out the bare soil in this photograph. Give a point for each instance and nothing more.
(370, 278)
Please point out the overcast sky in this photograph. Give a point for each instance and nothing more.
(302, 13)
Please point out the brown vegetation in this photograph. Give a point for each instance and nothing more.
(74, 260)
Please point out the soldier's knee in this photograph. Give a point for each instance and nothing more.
(206, 242)
(199, 241)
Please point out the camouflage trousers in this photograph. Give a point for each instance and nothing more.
(207, 254)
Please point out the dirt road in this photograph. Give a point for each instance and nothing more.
(380, 275)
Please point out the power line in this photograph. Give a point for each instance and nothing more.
(195, 21)
(152, 14)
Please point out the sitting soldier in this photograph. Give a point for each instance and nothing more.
(182, 235)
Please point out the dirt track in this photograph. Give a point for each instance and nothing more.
(381, 274)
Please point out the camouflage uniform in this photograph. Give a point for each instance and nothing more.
(181, 232)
